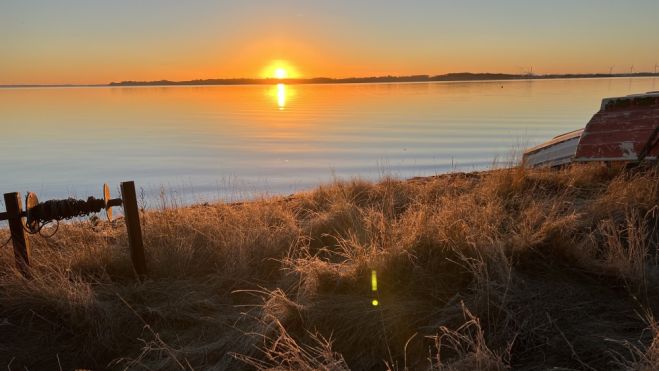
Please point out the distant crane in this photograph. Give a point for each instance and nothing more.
(631, 70)
(611, 69)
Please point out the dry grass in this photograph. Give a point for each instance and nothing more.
(504, 269)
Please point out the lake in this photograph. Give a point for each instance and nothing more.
(205, 143)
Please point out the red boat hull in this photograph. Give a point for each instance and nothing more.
(625, 129)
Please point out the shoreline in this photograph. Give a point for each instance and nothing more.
(342, 81)
(477, 174)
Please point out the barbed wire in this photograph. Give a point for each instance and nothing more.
(40, 227)
(53, 211)
(38, 231)
(50, 235)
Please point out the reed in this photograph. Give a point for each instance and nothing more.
(494, 270)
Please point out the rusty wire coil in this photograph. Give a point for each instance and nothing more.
(40, 214)
(54, 210)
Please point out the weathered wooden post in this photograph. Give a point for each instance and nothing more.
(19, 239)
(132, 218)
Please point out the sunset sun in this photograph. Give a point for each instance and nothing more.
(280, 73)
(280, 69)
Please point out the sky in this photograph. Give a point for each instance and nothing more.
(96, 42)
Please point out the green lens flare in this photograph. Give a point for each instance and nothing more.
(374, 286)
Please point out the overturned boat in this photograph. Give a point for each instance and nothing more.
(624, 129)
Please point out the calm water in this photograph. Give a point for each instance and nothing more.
(233, 142)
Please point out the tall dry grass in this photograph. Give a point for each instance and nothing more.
(510, 268)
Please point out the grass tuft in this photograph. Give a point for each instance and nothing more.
(511, 268)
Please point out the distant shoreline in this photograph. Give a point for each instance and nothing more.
(450, 77)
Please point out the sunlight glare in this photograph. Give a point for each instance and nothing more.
(279, 69)
(280, 73)
(281, 96)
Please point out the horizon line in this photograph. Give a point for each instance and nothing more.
(447, 77)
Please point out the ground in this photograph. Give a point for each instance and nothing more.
(510, 268)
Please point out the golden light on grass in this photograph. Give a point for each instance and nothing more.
(605, 231)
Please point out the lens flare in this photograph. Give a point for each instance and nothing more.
(374, 287)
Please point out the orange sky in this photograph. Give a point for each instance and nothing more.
(75, 41)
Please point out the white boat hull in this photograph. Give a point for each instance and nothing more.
(558, 151)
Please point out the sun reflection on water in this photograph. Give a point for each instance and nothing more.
(282, 94)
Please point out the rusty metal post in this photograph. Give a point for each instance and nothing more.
(19, 239)
(132, 215)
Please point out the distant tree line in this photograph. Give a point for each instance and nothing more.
(461, 76)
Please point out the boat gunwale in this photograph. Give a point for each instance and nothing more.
(565, 137)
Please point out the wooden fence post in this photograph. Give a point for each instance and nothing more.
(132, 217)
(19, 239)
